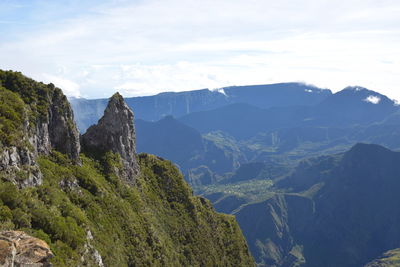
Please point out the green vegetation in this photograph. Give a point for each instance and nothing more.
(85, 210)
(35, 93)
(12, 112)
(389, 259)
(223, 141)
(23, 101)
(158, 222)
(252, 190)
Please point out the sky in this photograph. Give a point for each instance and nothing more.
(92, 48)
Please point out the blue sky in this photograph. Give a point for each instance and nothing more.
(94, 48)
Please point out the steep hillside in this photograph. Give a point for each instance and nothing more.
(337, 211)
(389, 259)
(34, 119)
(95, 211)
(271, 228)
(19, 249)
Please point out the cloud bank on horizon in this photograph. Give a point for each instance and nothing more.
(93, 48)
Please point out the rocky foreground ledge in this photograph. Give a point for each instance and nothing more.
(19, 249)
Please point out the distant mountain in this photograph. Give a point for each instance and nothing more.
(349, 107)
(153, 108)
(170, 139)
(355, 105)
(239, 120)
(276, 95)
(211, 144)
(196, 155)
(339, 211)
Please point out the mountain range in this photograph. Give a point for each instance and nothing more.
(221, 130)
(311, 176)
(303, 188)
(153, 108)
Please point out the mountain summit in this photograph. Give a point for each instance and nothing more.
(115, 132)
(34, 120)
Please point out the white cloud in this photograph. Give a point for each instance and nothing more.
(373, 99)
(69, 88)
(145, 47)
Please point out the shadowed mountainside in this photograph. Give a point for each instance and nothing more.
(338, 211)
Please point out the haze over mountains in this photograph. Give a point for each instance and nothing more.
(304, 190)
(285, 160)
(248, 170)
(155, 107)
(236, 125)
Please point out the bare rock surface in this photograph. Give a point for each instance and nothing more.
(19, 249)
(115, 132)
(58, 131)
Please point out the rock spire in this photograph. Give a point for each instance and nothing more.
(115, 132)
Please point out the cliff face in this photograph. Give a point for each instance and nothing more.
(63, 135)
(115, 132)
(338, 210)
(274, 239)
(148, 217)
(36, 118)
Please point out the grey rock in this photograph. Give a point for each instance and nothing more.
(115, 132)
(58, 130)
(18, 166)
(63, 133)
(69, 184)
(90, 253)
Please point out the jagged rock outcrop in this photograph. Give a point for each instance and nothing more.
(39, 120)
(91, 252)
(18, 165)
(58, 130)
(115, 132)
(19, 249)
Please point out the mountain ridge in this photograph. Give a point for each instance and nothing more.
(83, 206)
(177, 104)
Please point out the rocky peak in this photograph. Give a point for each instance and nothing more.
(57, 130)
(19, 249)
(115, 132)
(63, 133)
(43, 121)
